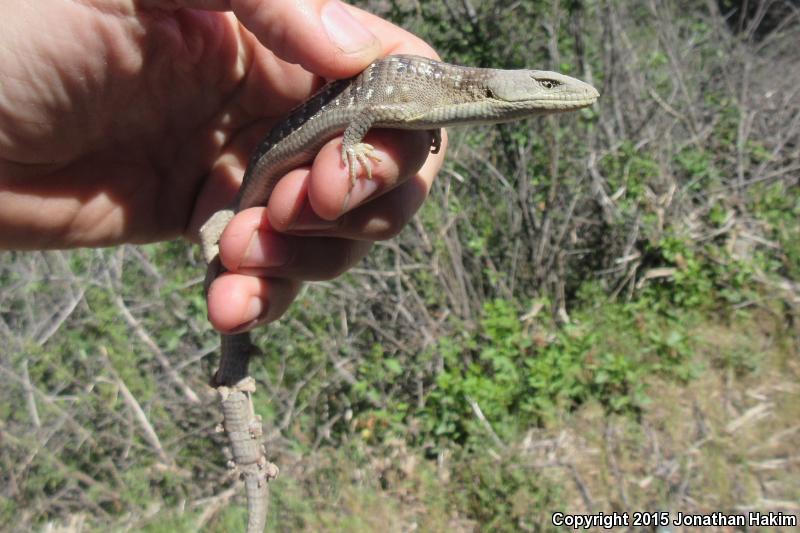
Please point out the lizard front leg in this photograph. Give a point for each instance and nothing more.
(354, 151)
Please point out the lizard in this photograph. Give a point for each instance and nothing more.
(398, 91)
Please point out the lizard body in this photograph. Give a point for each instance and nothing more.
(402, 92)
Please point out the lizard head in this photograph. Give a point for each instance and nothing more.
(538, 91)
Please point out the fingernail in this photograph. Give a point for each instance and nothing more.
(255, 310)
(346, 32)
(266, 249)
(255, 307)
(363, 189)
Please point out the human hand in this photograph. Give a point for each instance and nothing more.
(132, 122)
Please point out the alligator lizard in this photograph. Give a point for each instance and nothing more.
(402, 92)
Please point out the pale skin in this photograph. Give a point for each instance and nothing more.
(131, 122)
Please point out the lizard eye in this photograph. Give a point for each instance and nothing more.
(549, 84)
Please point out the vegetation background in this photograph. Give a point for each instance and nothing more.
(593, 312)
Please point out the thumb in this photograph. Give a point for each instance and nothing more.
(322, 36)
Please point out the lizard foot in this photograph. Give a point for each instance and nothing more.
(359, 155)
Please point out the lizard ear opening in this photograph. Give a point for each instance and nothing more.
(489, 93)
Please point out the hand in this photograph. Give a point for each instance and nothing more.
(132, 122)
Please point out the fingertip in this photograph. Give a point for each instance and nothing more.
(235, 301)
(330, 188)
(238, 235)
(400, 154)
(238, 302)
(289, 199)
(346, 33)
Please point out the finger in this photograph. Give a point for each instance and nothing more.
(281, 26)
(328, 187)
(399, 154)
(344, 37)
(380, 219)
(394, 40)
(250, 246)
(341, 45)
(208, 5)
(314, 258)
(237, 302)
(249, 233)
